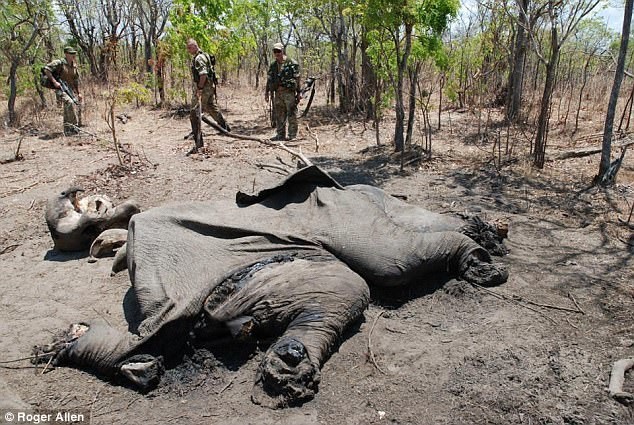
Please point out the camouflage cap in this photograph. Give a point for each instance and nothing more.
(70, 50)
(278, 46)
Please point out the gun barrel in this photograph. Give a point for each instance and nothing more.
(65, 89)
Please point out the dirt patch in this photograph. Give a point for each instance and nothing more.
(456, 355)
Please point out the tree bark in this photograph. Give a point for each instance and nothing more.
(369, 78)
(606, 151)
(516, 78)
(539, 155)
(399, 127)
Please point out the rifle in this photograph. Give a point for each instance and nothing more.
(272, 109)
(63, 87)
(309, 85)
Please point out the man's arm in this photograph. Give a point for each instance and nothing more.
(50, 76)
(201, 82)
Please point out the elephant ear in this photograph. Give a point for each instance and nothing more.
(312, 175)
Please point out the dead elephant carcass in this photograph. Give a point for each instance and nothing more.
(294, 260)
(74, 222)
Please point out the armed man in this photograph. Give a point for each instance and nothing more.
(204, 96)
(63, 76)
(283, 84)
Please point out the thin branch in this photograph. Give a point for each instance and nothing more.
(514, 301)
(370, 352)
(279, 145)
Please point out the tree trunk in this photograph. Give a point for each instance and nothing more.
(333, 76)
(584, 81)
(13, 71)
(413, 82)
(614, 94)
(539, 155)
(369, 78)
(399, 142)
(516, 79)
(342, 74)
(147, 53)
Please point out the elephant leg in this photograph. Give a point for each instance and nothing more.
(310, 303)
(104, 349)
(482, 272)
(120, 262)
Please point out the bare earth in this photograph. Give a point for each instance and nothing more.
(456, 355)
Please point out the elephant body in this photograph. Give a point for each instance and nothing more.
(294, 260)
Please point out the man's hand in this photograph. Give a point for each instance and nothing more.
(57, 85)
(80, 97)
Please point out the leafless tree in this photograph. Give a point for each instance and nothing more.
(562, 18)
(606, 150)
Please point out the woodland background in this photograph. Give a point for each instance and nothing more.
(544, 61)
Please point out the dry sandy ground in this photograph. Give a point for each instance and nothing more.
(455, 355)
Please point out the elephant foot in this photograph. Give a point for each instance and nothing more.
(286, 376)
(483, 273)
(143, 370)
(49, 353)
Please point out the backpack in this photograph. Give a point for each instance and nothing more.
(44, 81)
(211, 72)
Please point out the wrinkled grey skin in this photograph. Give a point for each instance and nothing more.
(74, 222)
(294, 261)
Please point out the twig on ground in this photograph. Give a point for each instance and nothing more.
(20, 190)
(576, 304)
(513, 300)
(257, 139)
(9, 249)
(147, 159)
(283, 170)
(552, 307)
(411, 161)
(281, 161)
(571, 324)
(370, 352)
(226, 387)
(21, 359)
(17, 150)
(31, 205)
(312, 134)
(47, 365)
(89, 133)
(396, 331)
(101, 315)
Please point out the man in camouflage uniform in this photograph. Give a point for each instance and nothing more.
(66, 70)
(283, 81)
(204, 87)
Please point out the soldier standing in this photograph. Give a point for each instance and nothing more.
(204, 86)
(283, 83)
(64, 77)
